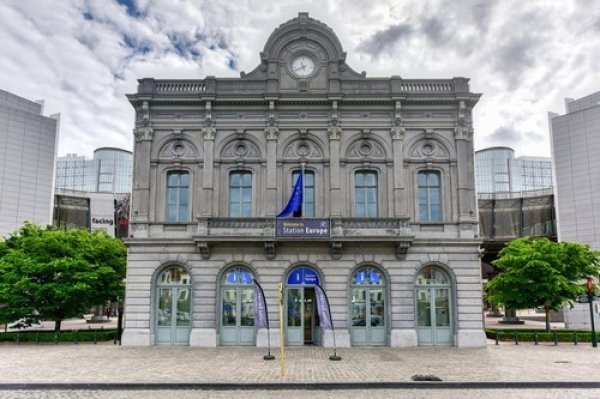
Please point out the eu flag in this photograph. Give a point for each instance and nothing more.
(295, 202)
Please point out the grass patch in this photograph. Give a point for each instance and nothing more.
(529, 335)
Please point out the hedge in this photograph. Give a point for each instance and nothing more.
(542, 335)
(46, 336)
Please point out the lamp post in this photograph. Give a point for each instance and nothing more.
(590, 297)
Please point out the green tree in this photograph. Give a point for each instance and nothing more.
(55, 274)
(541, 273)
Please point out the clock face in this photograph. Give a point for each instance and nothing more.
(303, 65)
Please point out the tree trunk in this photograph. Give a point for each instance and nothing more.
(57, 326)
(547, 318)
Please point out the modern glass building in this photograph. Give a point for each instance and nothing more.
(498, 171)
(109, 171)
(28, 142)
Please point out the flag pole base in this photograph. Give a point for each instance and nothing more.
(268, 357)
(335, 358)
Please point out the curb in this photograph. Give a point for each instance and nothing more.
(302, 386)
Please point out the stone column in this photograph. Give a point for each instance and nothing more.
(398, 132)
(271, 135)
(140, 196)
(466, 174)
(335, 189)
(209, 133)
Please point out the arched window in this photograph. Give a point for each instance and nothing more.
(433, 306)
(368, 307)
(365, 193)
(237, 307)
(173, 306)
(177, 196)
(240, 194)
(308, 192)
(429, 196)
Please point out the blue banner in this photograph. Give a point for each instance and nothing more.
(261, 317)
(323, 308)
(295, 202)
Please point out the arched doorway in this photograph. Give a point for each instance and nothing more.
(368, 307)
(237, 307)
(173, 306)
(433, 291)
(302, 327)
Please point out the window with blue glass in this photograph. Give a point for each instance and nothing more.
(240, 194)
(367, 305)
(308, 202)
(303, 276)
(178, 196)
(365, 194)
(429, 196)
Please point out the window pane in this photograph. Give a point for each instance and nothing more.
(360, 210)
(183, 307)
(294, 308)
(185, 180)
(172, 196)
(422, 179)
(234, 196)
(183, 213)
(309, 178)
(371, 179)
(234, 210)
(183, 196)
(371, 195)
(435, 213)
(377, 308)
(433, 179)
(359, 307)
(245, 277)
(247, 313)
(423, 214)
(234, 180)
(309, 210)
(359, 179)
(246, 210)
(247, 195)
(371, 210)
(229, 306)
(164, 306)
(172, 213)
(173, 179)
(247, 179)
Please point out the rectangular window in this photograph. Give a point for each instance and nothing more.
(365, 194)
(178, 196)
(308, 202)
(429, 196)
(240, 194)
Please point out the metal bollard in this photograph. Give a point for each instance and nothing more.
(56, 338)
(37, 337)
(18, 337)
(575, 338)
(516, 339)
(75, 338)
(95, 337)
(555, 336)
(496, 337)
(535, 338)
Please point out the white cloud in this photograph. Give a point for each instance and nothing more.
(82, 56)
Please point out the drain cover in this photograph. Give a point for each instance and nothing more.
(428, 377)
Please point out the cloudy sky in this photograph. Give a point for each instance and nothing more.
(82, 56)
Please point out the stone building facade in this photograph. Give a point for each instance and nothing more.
(388, 174)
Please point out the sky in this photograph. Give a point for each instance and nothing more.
(82, 56)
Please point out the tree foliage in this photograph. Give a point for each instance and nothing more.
(541, 273)
(55, 274)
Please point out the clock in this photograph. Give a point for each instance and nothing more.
(303, 66)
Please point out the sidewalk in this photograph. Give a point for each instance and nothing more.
(113, 364)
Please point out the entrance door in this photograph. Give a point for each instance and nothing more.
(434, 321)
(302, 327)
(237, 308)
(173, 307)
(367, 308)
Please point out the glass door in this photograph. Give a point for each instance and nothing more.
(295, 316)
(433, 316)
(237, 308)
(173, 312)
(367, 307)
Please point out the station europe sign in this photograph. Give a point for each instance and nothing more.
(303, 228)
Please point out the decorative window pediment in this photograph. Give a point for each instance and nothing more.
(365, 148)
(303, 148)
(178, 148)
(240, 148)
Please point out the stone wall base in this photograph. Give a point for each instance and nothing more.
(136, 337)
(404, 338)
(203, 337)
(471, 339)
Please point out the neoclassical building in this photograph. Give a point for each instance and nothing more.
(388, 224)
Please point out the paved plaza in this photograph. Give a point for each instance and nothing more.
(107, 364)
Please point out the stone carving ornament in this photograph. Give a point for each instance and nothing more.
(240, 148)
(302, 148)
(365, 148)
(178, 148)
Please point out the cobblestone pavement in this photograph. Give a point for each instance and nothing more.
(288, 394)
(107, 363)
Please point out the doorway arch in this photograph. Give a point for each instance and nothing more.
(433, 302)
(173, 312)
(368, 307)
(302, 320)
(237, 307)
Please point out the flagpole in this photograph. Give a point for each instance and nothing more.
(303, 191)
